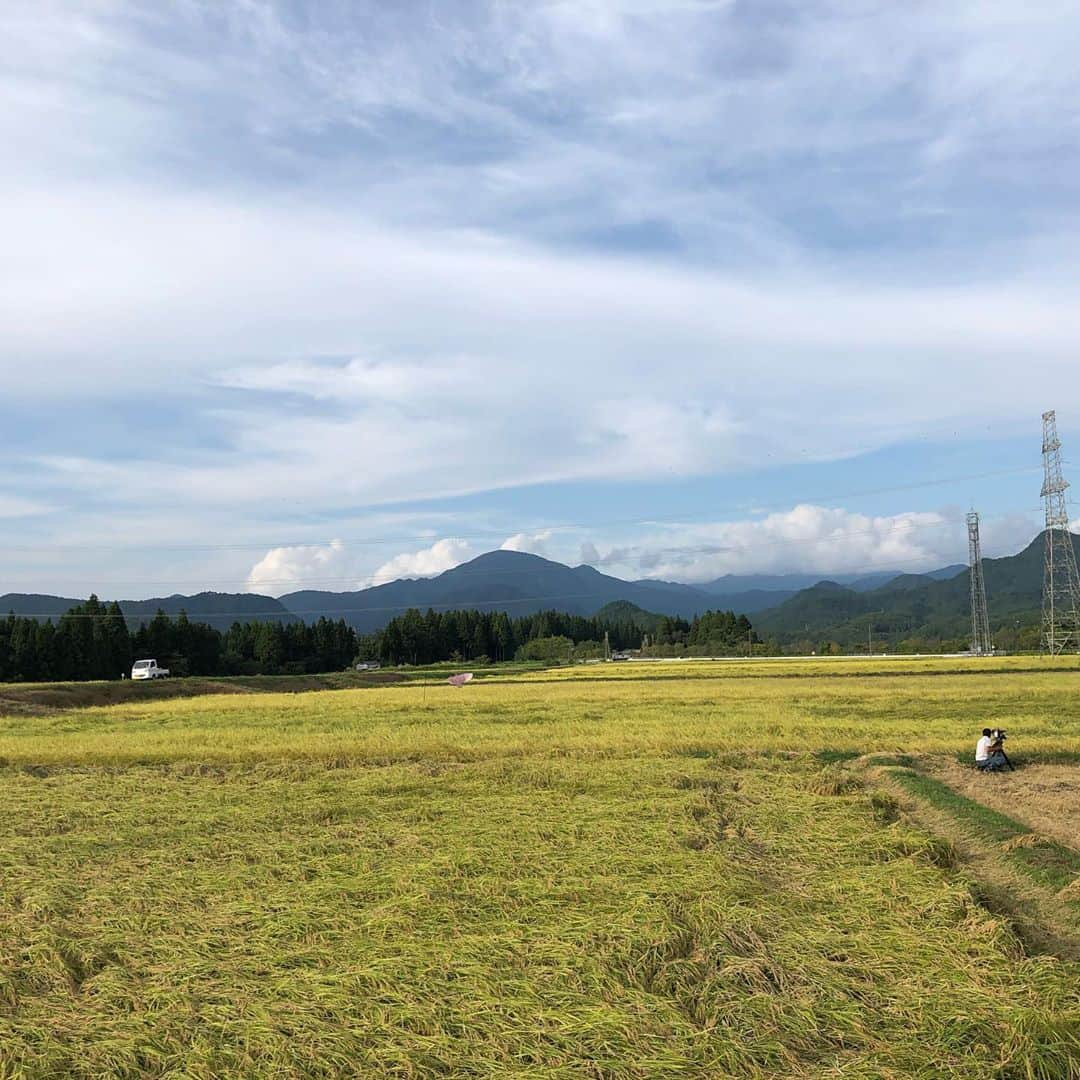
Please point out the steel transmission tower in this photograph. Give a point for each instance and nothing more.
(981, 645)
(1061, 583)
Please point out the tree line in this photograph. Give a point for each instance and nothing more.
(717, 631)
(93, 641)
(431, 637)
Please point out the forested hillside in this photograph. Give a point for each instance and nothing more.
(219, 610)
(915, 613)
(94, 641)
(424, 638)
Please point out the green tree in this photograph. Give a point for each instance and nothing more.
(114, 642)
(551, 650)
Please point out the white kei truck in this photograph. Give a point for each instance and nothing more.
(148, 669)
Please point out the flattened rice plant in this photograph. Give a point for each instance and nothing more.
(533, 878)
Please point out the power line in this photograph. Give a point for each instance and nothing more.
(541, 527)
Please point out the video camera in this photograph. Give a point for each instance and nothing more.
(997, 735)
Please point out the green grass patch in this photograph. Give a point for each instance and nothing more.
(1051, 864)
(990, 824)
(905, 761)
(833, 757)
(1053, 757)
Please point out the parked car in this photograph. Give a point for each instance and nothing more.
(148, 669)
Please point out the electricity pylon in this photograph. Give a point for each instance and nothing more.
(1061, 582)
(981, 645)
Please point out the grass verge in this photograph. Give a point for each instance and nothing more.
(1047, 862)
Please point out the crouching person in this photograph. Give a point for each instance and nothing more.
(989, 756)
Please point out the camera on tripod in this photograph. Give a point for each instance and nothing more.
(990, 753)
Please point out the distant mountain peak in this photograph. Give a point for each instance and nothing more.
(501, 560)
(827, 585)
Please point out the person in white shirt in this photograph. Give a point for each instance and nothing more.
(988, 755)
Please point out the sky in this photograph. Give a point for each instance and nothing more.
(324, 294)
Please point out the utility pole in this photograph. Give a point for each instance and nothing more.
(869, 632)
(1061, 582)
(981, 645)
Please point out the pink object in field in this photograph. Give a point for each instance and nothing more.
(460, 680)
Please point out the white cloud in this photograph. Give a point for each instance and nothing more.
(807, 538)
(13, 506)
(428, 562)
(360, 381)
(472, 376)
(1006, 534)
(588, 554)
(535, 543)
(337, 566)
(305, 566)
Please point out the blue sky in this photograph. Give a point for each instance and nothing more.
(321, 294)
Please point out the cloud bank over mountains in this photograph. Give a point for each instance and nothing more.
(806, 539)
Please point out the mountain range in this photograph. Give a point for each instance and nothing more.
(220, 610)
(788, 607)
(913, 606)
(511, 581)
(792, 583)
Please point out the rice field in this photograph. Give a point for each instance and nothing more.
(698, 870)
